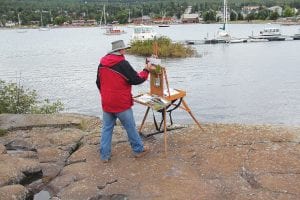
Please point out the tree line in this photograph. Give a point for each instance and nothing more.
(58, 12)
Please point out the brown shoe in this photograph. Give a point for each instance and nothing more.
(143, 153)
(105, 161)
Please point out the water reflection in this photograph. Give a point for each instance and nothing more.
(42, 195)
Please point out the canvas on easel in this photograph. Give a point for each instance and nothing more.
(157, 83)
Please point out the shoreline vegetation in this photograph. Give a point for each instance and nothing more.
(153, 24)
(43, 13)
(167, 48)
(16, 99)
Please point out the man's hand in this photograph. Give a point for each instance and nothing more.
(150, 67)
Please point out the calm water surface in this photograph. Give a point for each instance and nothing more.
(253, 83)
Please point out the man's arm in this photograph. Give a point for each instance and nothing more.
(98, 78)
(133, 77)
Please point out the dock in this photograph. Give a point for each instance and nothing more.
(240, 40)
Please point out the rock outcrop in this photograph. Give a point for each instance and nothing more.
(59, 154)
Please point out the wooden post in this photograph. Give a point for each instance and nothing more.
(190, 112)
(167, 82)
(165, 133)
(144, 119)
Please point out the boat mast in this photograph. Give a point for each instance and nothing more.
(163, 17)
(19, 20)
(129, 20)
(224, 15)
(142, 17)
(42, 18)
(51, 17)
(104, 14)
(101, 19)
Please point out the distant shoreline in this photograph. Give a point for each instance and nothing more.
(230, 22)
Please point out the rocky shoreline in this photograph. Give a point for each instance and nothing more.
(58, 155)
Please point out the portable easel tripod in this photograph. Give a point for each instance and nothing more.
(158, 81)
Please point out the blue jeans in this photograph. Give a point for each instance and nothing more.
(127, 120)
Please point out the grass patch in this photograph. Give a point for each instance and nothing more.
(3, 132)
(166, 48)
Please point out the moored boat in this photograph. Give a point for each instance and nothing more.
(143, 32)
(215, 41)
(20, 29)
(43, 27)
(238, 40)
(270, 34)
(114, 31)
(222, 35)
(296, 36)
(164, 25)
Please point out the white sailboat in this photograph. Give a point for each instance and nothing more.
(163, 24)
(20, 29)
(129, 19)
(296, 36)
(103, 17)
(130, 25)
(42, 27)
(222, 35)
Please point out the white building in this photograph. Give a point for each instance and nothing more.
(10, 24)
(277, 9)
(190, 18)
(188, 10)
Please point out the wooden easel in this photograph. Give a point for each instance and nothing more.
(158, 83)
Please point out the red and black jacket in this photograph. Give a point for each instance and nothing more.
(114, 79)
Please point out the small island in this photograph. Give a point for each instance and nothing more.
(166, 48)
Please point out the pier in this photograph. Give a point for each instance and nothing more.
(241, 40)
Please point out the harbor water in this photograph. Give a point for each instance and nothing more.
(251, 83)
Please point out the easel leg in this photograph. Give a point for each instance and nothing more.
(165, 132)
(144, 119)
(190, 112)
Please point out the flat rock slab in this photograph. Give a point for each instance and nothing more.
(12, 121)
(13, 169)
(226, 161)
(13, 192)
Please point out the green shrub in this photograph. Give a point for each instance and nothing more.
(166, 48)
(18, 100)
